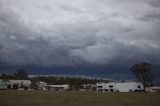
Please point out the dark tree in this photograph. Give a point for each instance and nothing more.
(143, 73)
(6, 76)
(21, 74)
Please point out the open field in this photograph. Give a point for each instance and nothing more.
(52, 98)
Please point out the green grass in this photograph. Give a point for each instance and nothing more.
(52, 98)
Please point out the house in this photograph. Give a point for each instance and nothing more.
(153, 89)
(3, 85)
(15, 84)
(41, 85)
(89, 87)
(45, 86)
(57, 87)
(119, 86)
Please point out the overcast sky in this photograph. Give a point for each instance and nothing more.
(79, 32)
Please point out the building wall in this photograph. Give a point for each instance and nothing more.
(128, 86)
(119, 87)
(19, 83)
(100, 86)
(153, 89)
(3, 86)
(41, 85)
(58, 87)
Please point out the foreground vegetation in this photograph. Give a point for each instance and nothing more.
(52, 98)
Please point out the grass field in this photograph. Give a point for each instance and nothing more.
(51, 98)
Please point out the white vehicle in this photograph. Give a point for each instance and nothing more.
(20, 89)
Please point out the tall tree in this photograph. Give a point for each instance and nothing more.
(21, 74)
(143, 73)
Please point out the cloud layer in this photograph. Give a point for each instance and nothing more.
(82, 32)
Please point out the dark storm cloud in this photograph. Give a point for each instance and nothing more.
(18, 44)
(155, 3)
(70, 33)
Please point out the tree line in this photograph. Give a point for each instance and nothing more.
(20, 74)
(74, 82)
(142, 71)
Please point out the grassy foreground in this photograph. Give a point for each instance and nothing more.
(51, 98)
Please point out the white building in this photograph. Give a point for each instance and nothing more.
(153, 89)
(3, 85)
(89, 87)
(58, 87)
(119, 86)
(41, 85)
(15, 84)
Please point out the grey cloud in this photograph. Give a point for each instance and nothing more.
(150, 17)
(70, 8)
(18, 46)
(155, 3)
(117, 52)
(86, 39)
(48, 8)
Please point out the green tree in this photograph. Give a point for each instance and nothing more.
(143, 73)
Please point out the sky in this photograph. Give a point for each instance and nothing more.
(100, 38)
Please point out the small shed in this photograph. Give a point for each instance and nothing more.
(41, 85)
(58, 87)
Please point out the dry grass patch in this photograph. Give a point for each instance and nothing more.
(51, 98)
